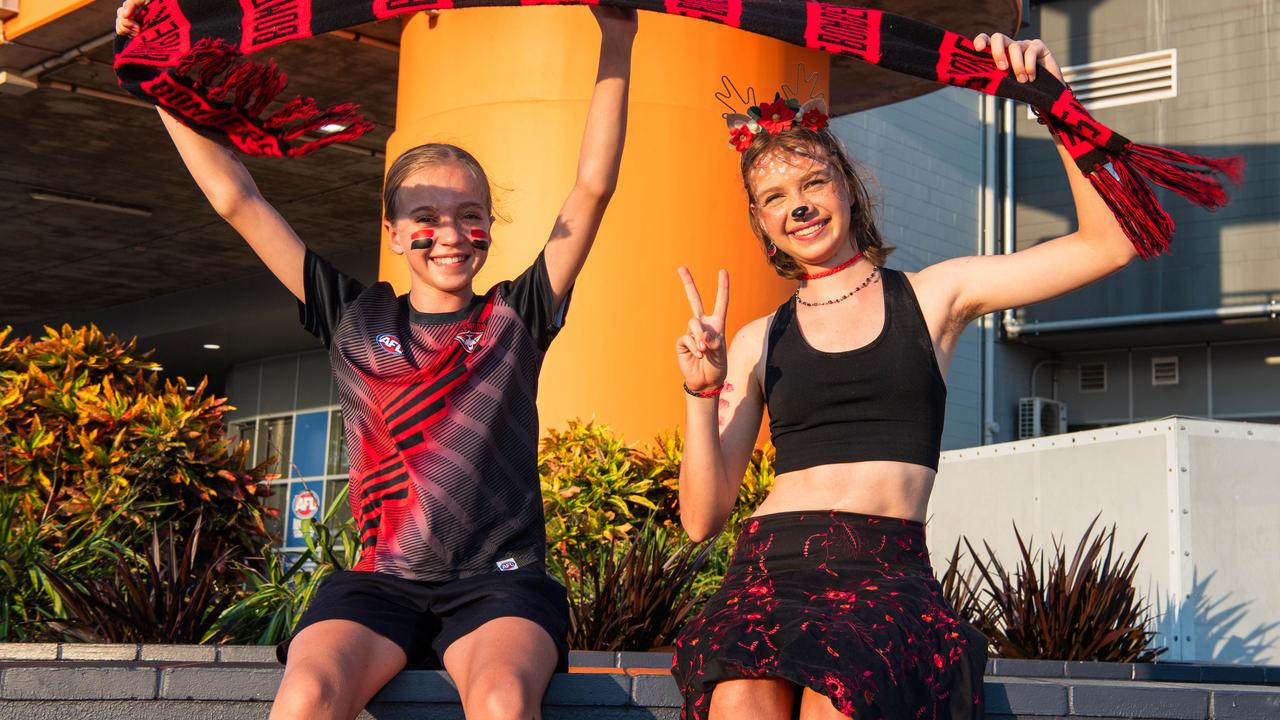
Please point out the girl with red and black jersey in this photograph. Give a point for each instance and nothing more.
(438, 391)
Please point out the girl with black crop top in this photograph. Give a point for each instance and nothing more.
(830, 606)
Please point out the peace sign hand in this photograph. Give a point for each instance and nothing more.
(701, 351)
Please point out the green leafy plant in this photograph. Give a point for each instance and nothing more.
(94, 445)
(613, 520)
(593, 491)
(278, 590)
(639, 598)
(1085, 608)
(170, 595)
(30, 606)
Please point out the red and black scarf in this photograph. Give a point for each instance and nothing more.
(189, 59)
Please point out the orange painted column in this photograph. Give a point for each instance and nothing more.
(512, 87)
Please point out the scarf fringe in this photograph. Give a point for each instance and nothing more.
(220, 73)
(1121, 177)
(1144, 222)
(1191, 176)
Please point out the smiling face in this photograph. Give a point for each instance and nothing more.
(801, 203)
(809, 200)
(441, 225)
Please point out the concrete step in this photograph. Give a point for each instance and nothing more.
(40, 682)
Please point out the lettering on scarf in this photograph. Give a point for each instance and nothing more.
(387, 8)
(728, 12)
(844, 30)
(167, 36)
(961, 64)
(1067, 109)
(268, 22)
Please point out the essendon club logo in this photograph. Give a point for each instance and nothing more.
(268, 22)
(469, 340)
(386, 8)
(390, 343)
(844, 30)
(959, 63)
(728, 12)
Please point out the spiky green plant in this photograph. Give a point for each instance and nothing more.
(278, 590)
(1085, 608)
(639, 597)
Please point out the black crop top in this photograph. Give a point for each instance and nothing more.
(882, 401)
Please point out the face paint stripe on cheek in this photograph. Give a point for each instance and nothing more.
(480, 239)
(422, 240)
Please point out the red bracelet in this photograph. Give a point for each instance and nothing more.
(704, 393)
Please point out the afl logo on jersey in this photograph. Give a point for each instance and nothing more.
(390, 343)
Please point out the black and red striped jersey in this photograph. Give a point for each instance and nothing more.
(440, 419)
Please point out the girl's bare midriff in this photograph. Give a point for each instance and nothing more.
(891, 489)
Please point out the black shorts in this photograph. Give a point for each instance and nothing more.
(424, 618)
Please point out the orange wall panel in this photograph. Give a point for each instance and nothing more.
(34, 13)
(512, 87)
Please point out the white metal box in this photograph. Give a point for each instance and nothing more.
(1206, 494)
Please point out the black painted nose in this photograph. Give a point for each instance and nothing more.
(800, 213)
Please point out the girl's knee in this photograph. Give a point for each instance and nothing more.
(308, 693)
(764, 697)
(499, 694)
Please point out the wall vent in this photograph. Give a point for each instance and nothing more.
(1164, 370)
(1093, 377)
(1124, 81)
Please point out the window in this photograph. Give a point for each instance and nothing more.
(310, 459)
(242, 431)
(337, 445)
(1093, 377)
(275, 436)
(1164, 370)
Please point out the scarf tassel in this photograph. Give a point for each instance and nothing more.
(220, 73)
(1144, 222)
(1191, 176)
(1121, 180)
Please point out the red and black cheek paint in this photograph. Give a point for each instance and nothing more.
(425, 239)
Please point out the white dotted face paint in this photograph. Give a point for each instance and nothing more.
(782, 181)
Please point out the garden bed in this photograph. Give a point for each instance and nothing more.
(140, 682)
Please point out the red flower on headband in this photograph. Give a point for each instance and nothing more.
(741, 137)
(776, 117)
(814, 119)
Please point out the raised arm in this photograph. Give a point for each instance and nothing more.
(230, 189)
(233, 195)
(722, 413)
(1098, 247)
(601, 153)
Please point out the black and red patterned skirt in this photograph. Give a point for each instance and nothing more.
(845, 604)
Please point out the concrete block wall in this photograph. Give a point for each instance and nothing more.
(1228, 95)
(238, 684)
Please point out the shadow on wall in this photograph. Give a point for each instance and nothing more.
(1222, 630)
(1218, 258)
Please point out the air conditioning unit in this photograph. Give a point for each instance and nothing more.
(1039, 416)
